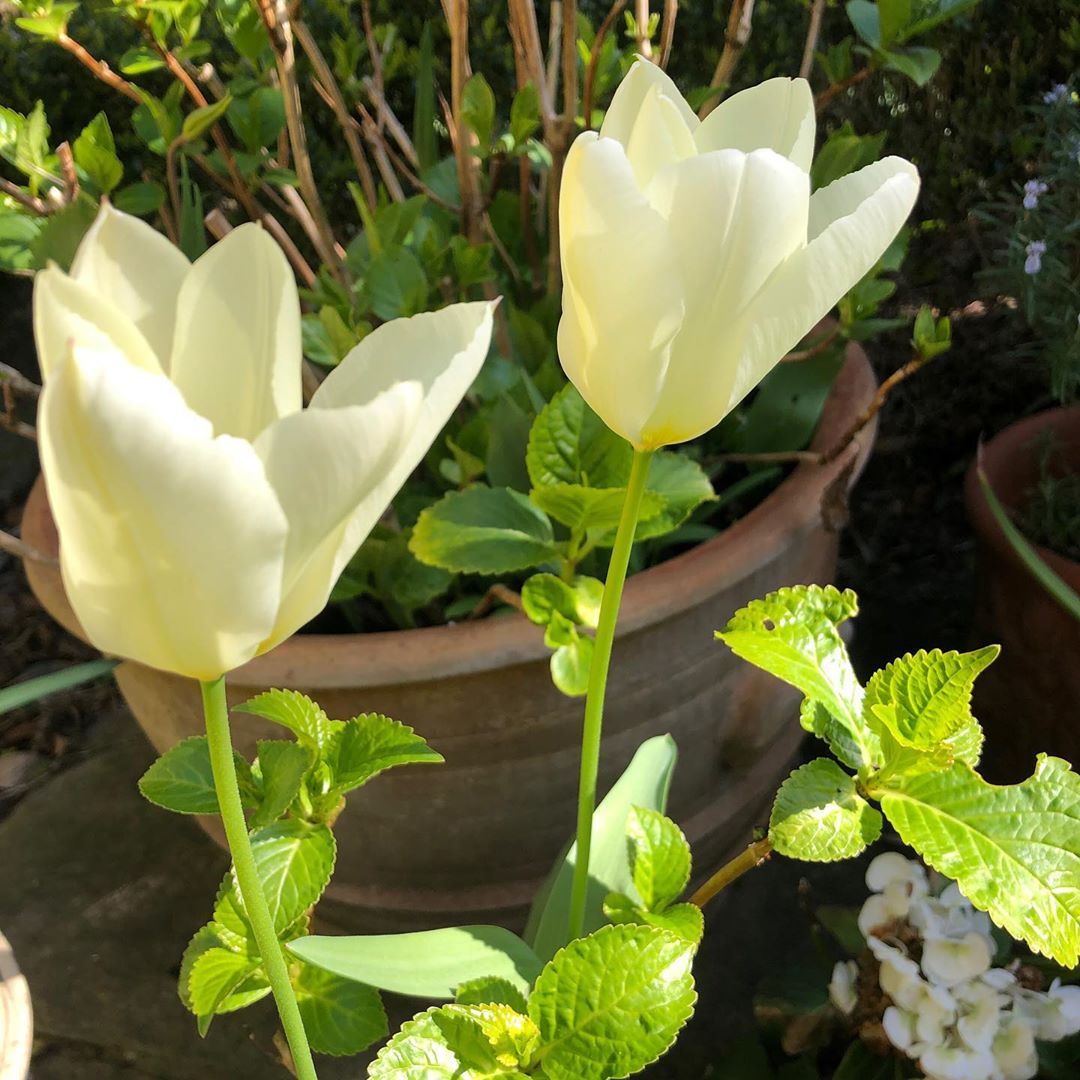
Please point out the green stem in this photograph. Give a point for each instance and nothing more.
(216, 712)
(598, 673)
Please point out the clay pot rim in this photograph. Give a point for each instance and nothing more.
(1010, 443)
(16, 1017)
(386, 658)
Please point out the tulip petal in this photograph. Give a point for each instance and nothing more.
(171, 540)
(237, 353)
(622, 290)
(374, 418)
(128, 263)
(67, 313)
(776, 115)
(850, 229)
(622, 114)
(733, 219)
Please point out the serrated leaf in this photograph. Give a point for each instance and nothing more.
(427, 963)
(659, 857)
(296, 712)
(182, 779)
(569, 444)
(282, 766)
(370, 744)
(295, 861)
(815, 718)
(484, 530)
(95, 154)
(645, 782)
(612, 1003)
(204, 940)
(819, 815)
(446, 1042)
(794, 634)
(1014, 851)
(570, 664)
(524, 113)
(925, 698)
(684, 920)
(478, 108)
(682, 486)
(583, 508)
(215, 974)
(341, 1017)
(491, 991)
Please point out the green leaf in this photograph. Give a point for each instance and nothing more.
(865, 20)
(95, 154)
(296, 712)
(659, 857)
(341, 1017)
(18, 231)
(794, 634)
(936, 12)
(612, 1003)
(819, 816)
(182, 779)
(199, 121)
(925, 699)
(424, 137)
(371, 744)
(645, 783)
(524, 114)
(32, 144)
(682, 485)
(397, 284)
(491, 991)
(569, 444)
(203, 941)
(281, 766)
(51, 24)
(484, 530)
(917, 62)
(570, 665)
(457, 1042)
(257, 118)
(684, 920)
(140, 59)
(62, 233)
(478, 108)
(140, 198)
(583, 508)
(427, 963)
(1014, 851)
(893, 16)
(295, 861)
(577, 600)
(215, 975)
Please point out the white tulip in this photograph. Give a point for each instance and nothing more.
(203, 515)
(694, 256)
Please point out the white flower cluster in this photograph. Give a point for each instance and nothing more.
(951, 1011)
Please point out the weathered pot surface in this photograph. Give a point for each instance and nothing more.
(471, 840)
(16, 1018)
(1028, 699)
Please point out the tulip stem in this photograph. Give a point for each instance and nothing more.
(216, 712)
(598, 673)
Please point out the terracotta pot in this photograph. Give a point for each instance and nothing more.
(16, 1018)
(471, 840)
(1028, 698)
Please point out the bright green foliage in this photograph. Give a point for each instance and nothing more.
(341, 1017)
(819, 816)
(659, 857)
(489, 990)
(428, 963)
(95, 153)
(686, 921)
(584, 508)
(570, 664)
(612, 1003)
(645, 783)
(182, 780)
(280, 768)
(682, 486)
(577, 600)
(295, 711)
(484, 530)
(1014, 851)
(201, 120)
(371, 744)
(794, 634)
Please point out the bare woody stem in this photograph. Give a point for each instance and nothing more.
(100, 69)
(35, 206)
(736, 36)
(641, 27)
(667, 31)
(594, 58)
(830, 92)
(813, 32)
(457, 14)
(757, 853)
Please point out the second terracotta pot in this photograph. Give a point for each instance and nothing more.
(471, 840)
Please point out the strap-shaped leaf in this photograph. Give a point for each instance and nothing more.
(1014, 851)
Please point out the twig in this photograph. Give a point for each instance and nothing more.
(641, 27)
(68, 172)
(497, 594)
(170, 175)
(667, 31)
(388, 119)
(35, 206)
(555, 25)
(740, 23)
(752, 857)
(814, 350)
(373, 46)
(10, 377)
(336, 100)
(100, 69)
(813, 32)
(20, 549)
(594, 58)
(830, 92)
(379, 148)
(462, 138)
(525, 35)
(559, 143)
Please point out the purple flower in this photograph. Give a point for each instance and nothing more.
(1032, 190)
(1034, 252)
(1056, 94)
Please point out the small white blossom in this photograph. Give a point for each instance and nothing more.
(935, 1013)
(1055, 1014)
(842, 987)
(898, 975)
(981, 1008)
(948, 961)
(1014, 1050)
(899, 1025)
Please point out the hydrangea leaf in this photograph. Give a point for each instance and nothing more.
(182, 779)
(681, 484)
(570, 664)
(583, 508)
(819, 816)
(612, 1003)
(296, 712)
(489, 990)
(370, 744)
(659, 857)
(1013, 850)
(578, 600)
(684, 920)
(484, 530)
(281, 766)
(341, 1017)
(215, 974)
(794, 634)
